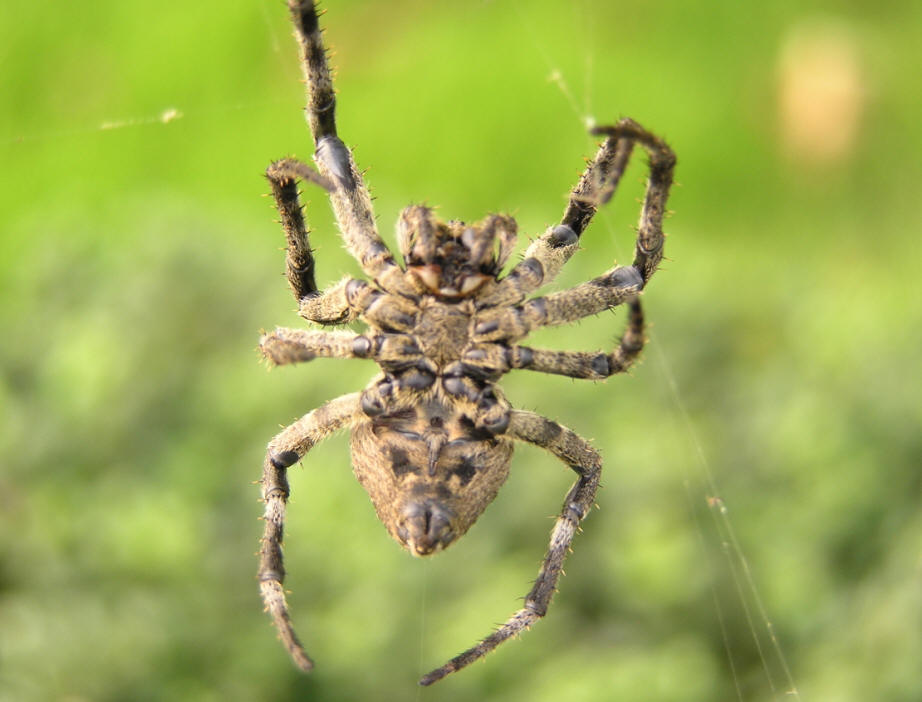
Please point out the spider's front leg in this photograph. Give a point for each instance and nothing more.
(548, 254)
(324, 307)
(287, 448)
(332, 306)
(586, 462)
(349, 195)
(648, 251)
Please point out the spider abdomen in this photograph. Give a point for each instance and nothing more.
(429, 470)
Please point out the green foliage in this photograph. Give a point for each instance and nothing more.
(138, 263)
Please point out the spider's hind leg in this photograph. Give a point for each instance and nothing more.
(287, 448)
(586, 462)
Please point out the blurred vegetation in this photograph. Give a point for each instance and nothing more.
(138, 263)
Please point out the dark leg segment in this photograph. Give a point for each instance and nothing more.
(649, 249)
(321, 99)
(585, 461)
(283, 176)
(578, 364)
(284, 450)
(599, 181)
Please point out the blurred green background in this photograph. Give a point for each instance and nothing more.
(762, 465)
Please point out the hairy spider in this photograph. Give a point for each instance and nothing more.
(432, 434)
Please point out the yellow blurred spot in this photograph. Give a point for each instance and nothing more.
(822, 92)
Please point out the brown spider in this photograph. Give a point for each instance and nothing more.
(432, 435)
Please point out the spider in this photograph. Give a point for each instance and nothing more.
(432, 435)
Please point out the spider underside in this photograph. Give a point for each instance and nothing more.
(432, 435)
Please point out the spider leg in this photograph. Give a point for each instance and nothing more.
(599, 181)
(543, 260)
(648, 251)
(579, 364)
(330, 306)
(586, 462)
(286, 346)
(299, 261)
(349, 195)
(351, 298)
(547, 254)
(284, 450)
(334, 305)
(510, 324)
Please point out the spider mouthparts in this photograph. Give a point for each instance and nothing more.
(429, 275)
(431, 278)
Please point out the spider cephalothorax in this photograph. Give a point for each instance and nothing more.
(432, 434)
